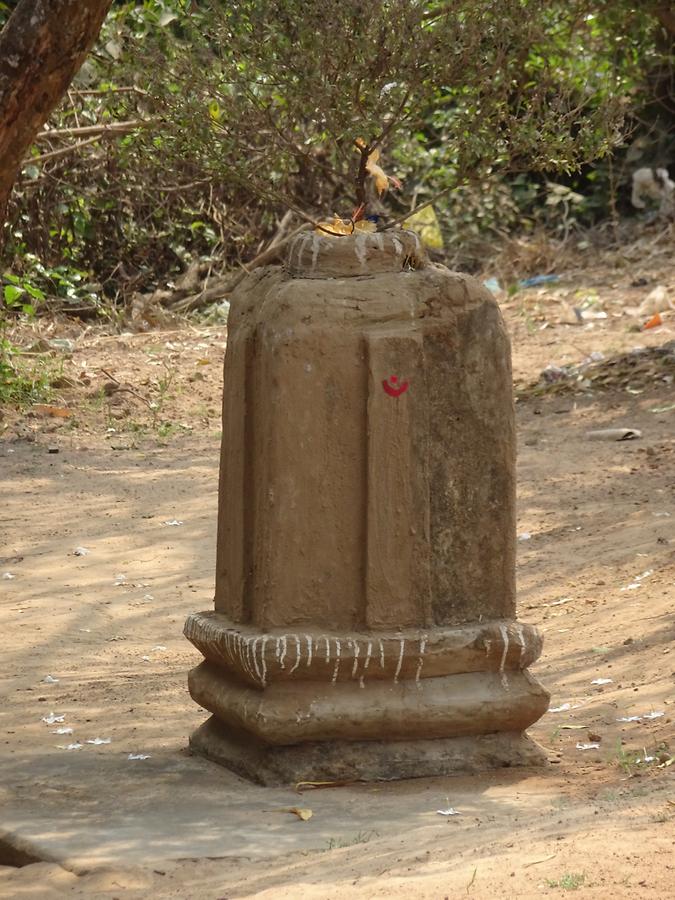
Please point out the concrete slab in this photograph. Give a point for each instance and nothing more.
(93, 810)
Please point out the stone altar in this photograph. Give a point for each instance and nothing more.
(365, 622)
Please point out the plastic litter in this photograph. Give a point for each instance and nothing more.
(649, 715)
(644, 574)
(53, 719)
(120, 579)
(138, 756)
(49, 679)
(99, 740)
(173, 522)
(614, 434)
(564, 707)
(592, 746)
(64, 730)
(552, 373)
(536, 280)
(70, 746)
(158, 647)
(65, 345)
(525, 536)
(602, 681)
(654, 322)
(8, 575)
(81, 551)
(450, 811)
(492, 284)
(585, 315)
(145, 658)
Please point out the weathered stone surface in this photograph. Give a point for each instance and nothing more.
(259, 659)
(314, 255)
(362, 760)
(394, 510)
(365, 584)
(445, 706)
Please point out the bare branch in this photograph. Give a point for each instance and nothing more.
(105, 128)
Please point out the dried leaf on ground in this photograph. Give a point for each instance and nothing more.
(298, 811)
(57, 412)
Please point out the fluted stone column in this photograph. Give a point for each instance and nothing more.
(364, 622)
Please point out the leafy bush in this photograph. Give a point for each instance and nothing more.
(194, 125)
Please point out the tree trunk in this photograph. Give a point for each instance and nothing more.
(42, 45)
(666, 16)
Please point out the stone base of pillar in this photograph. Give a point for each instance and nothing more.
(362, 760)
(321, 706)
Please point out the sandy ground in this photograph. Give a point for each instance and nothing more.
(136, 452)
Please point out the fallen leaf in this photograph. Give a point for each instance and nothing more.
(373, 168)
(425, 223)
(299, 811)
(58, 412)
(337, 226)
(378, 174)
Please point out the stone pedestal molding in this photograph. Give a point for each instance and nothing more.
(364, 622)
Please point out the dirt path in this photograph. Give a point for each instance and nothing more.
(138, 455)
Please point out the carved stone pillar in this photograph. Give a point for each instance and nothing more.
(364, 622)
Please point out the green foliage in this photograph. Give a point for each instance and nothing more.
(232, 113)
(361, 837)
(21, 383)
(28, 291)
(570, 881)
(275, 92)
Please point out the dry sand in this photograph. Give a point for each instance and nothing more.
(597, 575)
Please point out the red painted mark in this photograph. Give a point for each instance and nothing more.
(393, 388)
